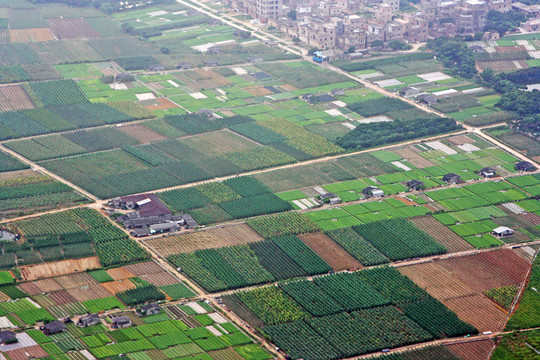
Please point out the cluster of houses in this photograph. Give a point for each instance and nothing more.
(148, 215)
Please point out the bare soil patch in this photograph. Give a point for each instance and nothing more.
(150, 267)
(120, 273)
(474, 350)
(13, 97)
(142, 133)
(478, 311)
(30, 35)
(74, 28)
(442, 234)
(160, 279)
(64, 267)
(76, 280)
(205, 239)
(85, 293)
(330, 252)
(115, 287)
(161, 104)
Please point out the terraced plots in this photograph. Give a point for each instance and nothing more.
(334, 316)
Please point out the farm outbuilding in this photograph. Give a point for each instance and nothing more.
(54, 327)
(525, 166)
(452, 178)
(88, 320)
(415, 185)
(149, 309)
(427, 99)
(331, 198)
(121, 322)
(503, 232)
(372, 191)
(487, 173)
(408, 91)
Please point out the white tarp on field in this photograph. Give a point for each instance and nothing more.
(198, 95)
(239, 71)
(375, 119)
(388, 82)
(468, 147)
(435, 76)
(437, 145)
(145, 96)
(445, 92)
(333, 112)
(400, 165)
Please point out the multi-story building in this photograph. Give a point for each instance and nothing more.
(471, 17)
(394, 4)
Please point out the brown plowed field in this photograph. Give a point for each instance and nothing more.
(474, 350)
(160, 279)
(411, 154)
(532, 218)
(48, 285)
(225, 354)
(120, 274)
(442, 234)
(115, 287)
(76, 280)
(75, 28)
(478, 311)
(150, 267)
(257, 90)
(488, 270)
(161, 104)
(461, 139)
(330, 252)
(61, 297)
(30, 288)
(156, 354)
(205, 239)
(30, 35)
(85, 293)
(142, 133)
(436, 280)
(47, 270)
(13, 97)
(25, 353)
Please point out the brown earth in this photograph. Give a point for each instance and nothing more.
(30, 288)
(115, 287)
(330, 252)
(257, 90)
(73, 281)
(474, 350)
(120, 273)
(142, 133)
(150, 267)
(442, 234)
(460, 140)
(160, 279)
(61, 297)
(205, 239)
(29, 352)
(161, 104)
(478, 311)
(74, 28)
(13, 97)
(48, 285)
(30, 35)
(47, 270)
(85, 293)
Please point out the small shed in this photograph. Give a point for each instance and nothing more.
(121, 322)
(372, 191)
(255, 59)
(211, 63)
(156, 67)
(88, 320)
(487, 173)
(54, 327)
(503, 232)
(408, 91)
(427, 99)
(451, 178)
(164, 227)
(525, 166)
(206, 112)
(185, 66)
(8, 337)
(140, 232)
(149, 309)
(331, 198)
(415, 185)
(337, 92)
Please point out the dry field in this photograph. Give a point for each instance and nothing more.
(411, 154)
(161, 104)
(120, 273)
(142, 133)
(205, 239)
(75, 28)
(64, 267)
(330, 252)
(115, 287)
(25, 353)
(61, 297)
(459, 284)
(219, 142)
(474, 350)
(30, 35)
(76, 280)
(13, 97)
(85, 293)
(150, 267)
(225, 354)
(442, 234)
(48, 285)
(160, 279)
(257, 90)
(460, 140)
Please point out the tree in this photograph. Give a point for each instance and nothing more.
(165, 50)
(398, 45)
(292, 14)
(454, 54)
(296, 40)
(503, 22)
(128, 28)
(377, 44)
(351, 49)
(312, 51)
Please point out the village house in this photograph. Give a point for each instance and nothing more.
(121, 322)
(452, 178)
(415, 185)
(502, 232)
(372, 191)
(487, 173)
(88, 320)
(330, 198)
(149, 309)
(54, 327)
(525, 166)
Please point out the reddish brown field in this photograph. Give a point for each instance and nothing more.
(150, 267)
(160, 279)
(442, 234)
(75, 28)
(84, 293)
(120, 274)
(205, 239)
(330, 252)
(459, 283)
(474, 350)
(115, 287)
(142, 133)
(30, 288)
(25, 353)
(478, 311)
(30, 35)
(411, 154)
(225, 354)
(505, 49)
(532, 218)
(61, 297)
(460, 140)
(161, 104)
(48, 285)
(73, 281)
(13, 97)
(257, 90)
(47, 270)
(502, 65)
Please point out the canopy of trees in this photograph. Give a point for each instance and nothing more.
(503, 22)
(454, 54)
